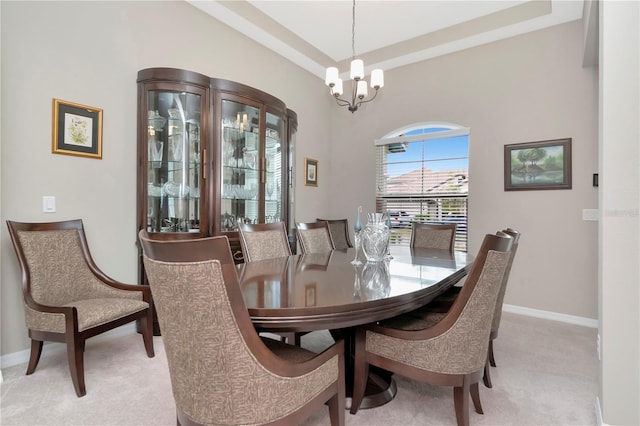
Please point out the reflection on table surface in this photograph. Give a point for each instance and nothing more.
(306, 292)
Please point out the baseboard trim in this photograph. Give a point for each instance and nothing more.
(50, 348)
(554, 316)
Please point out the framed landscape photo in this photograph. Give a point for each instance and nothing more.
(538, 165)
(310, 172)
(77, 129)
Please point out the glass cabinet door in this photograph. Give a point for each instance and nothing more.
(274, 172)
(173, 161)
(241, 168)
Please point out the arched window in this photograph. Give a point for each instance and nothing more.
(422, 174)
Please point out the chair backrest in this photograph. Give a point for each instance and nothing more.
(464, 331)
(339, 229)
(56, 264)
(217, 362)
(314, 237)
(264, 240)
(433, 235)
(503, 288)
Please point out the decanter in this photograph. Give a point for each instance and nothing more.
(375, 237)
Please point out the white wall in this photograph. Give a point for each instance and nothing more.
(620, 203)
(528, 88)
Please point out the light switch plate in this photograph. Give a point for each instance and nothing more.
(590, 214)
(48, 204)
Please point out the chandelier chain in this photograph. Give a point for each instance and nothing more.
(353, 30)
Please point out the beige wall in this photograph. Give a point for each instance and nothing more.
(90, 53)
(528, 88)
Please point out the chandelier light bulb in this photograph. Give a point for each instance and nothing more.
(337, 88)
(377, 79)
(361, 91)
(357, 69)
(331, 77)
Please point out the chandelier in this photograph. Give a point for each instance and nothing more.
(358, 85)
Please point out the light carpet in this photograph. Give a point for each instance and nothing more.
(546, 375)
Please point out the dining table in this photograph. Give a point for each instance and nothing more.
(339, 290)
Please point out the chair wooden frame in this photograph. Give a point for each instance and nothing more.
(217, 248)
(247, 228)
(333, 225)
(486, 378)
(303, 243)
(463, 384)
(72, 337)
(417, 227)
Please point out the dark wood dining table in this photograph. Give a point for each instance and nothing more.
(325, 291)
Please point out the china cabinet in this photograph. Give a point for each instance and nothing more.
(211, 153)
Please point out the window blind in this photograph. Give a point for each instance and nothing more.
(423, 175)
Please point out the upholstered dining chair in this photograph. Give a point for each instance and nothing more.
(67, 298)
(433, 235)
(451, 351)
(263, 240)
(443, 303)
(339, 229)
(314, 237)
(222, 371)
(497, 315)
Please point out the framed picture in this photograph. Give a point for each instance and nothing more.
(538, 165)
(310, 295)
(77, 129)
(310, 172)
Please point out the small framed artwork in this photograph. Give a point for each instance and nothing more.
(310, 172)
(77, 129)
(538, 165)
(310, 295)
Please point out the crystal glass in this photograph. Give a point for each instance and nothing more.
(375, 280)
(375, 238)
(357, 228)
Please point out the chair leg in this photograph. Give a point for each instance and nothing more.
(146, 326)
(360, 373)
(475, 397)
(75, 355)
(461, 403)
(336, 409)
(492, 360)
(486, 377)
(34, 358)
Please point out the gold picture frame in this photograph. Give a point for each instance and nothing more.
(77, 129)
(310, 172)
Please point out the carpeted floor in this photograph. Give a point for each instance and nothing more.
(546, 375)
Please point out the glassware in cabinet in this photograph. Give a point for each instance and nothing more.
(240, 168)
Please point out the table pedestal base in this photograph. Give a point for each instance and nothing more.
(378, 393)
(381, 388)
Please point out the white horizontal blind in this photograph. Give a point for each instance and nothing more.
(422, 175)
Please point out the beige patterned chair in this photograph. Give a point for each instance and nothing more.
(221, 371)
(443, 303)
(339, 229)
(67, 298)
(497, 315)
(451, 351)
(433, 235)
(314, 237)
(264, 241)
